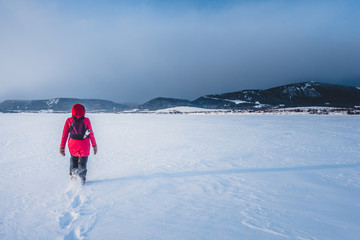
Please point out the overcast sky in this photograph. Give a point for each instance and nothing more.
(133, 51)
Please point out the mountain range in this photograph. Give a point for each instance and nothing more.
(304, 94)
(60, 105)
(293, 95)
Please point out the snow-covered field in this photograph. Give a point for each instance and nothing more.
(184, 177)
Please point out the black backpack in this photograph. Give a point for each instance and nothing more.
(77, 128)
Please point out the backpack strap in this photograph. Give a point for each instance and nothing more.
(76, 119)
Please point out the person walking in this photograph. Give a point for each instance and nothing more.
(81, 136)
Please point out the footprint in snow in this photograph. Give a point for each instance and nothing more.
(72, 212)
(76, 202)
(73, 235)
(65, 220)
(77, 219)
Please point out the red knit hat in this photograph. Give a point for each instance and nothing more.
(78, 110)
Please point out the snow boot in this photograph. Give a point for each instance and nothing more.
(74, 174)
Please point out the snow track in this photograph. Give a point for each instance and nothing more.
(78, 218)
(183, 177)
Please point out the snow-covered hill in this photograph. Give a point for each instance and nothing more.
(292, 95)
(184, 177)
(60, 105)
(307, 94)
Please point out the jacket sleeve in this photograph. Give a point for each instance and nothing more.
(65, 134)
(91, 135)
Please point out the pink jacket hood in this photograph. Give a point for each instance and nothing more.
(78, 110)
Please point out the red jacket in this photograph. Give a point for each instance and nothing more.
(78, 148)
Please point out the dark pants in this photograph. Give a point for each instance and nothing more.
(78, 164)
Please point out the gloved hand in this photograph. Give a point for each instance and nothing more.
(62, 151)
(95, 149)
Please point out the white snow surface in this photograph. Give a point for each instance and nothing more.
(183, 177)
(237, 102)
(186, 109)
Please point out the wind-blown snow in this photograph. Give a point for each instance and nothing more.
(184, 177)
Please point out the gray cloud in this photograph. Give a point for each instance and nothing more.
(135, 53)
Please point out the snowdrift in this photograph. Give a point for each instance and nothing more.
(183, 177)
